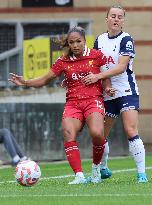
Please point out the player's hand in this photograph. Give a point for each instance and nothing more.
(110, 91)
(16, 79)
(90, 78)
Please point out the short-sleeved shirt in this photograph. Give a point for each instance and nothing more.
(76, 68)
(113, 48)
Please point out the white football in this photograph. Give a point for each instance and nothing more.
(27, 173)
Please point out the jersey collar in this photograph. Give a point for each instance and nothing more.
(86, 51)
(115, 36)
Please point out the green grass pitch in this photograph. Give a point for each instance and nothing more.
(121, 188)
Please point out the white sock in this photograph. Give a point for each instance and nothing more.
(80, 174)
(95, 165)
(16, 158)
(137, 151)
(96, 171)
(104, 159)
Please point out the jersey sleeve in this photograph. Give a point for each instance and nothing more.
(57, 67)
(101, 59)
(127, 47)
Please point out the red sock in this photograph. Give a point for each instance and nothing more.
(98, 152)
(73, 156)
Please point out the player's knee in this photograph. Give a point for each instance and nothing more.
(131, 131)
(69, 135)
(97, 133)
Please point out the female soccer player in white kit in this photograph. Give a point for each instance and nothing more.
(118, 46)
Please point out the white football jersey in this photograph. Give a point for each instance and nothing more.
(113, 47)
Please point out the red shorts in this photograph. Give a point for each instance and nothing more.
(80, 109)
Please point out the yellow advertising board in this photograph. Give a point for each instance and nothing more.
(90, 41)
(56, 55)
(36, 57)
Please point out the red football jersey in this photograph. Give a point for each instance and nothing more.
(76, 68)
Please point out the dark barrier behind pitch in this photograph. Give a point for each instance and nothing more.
(37, 128)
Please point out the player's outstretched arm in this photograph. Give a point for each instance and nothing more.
(118, 69)
(36, 82)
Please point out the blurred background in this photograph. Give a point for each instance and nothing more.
(34, 115)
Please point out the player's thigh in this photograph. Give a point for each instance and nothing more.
(71, 127)
(130, 122)
(95, 122)
(108, 124)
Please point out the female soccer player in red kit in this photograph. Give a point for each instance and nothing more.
(83, 103)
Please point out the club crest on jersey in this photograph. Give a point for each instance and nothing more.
(129, 45)
(69, 67)
(91, 62)
(114, 48)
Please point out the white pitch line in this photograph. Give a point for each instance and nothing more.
(71, 175)
(114, 171)
(78, 195)
(128, 170)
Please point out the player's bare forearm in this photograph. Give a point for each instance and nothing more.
(118, 69)
(41, 81)
(36, 82)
